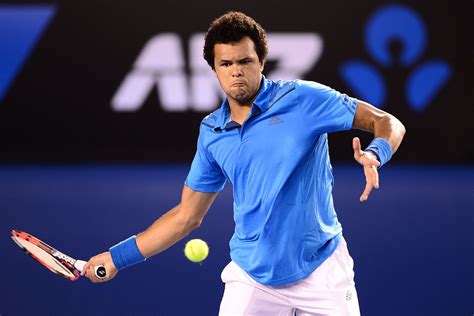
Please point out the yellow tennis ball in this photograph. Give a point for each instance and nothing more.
(196, 250)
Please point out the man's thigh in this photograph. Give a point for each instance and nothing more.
(244, 296)
(329, 290)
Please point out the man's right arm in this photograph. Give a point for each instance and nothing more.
(176, 223)
(163, 233)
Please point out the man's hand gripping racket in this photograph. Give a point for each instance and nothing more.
(53, 259)
(103, 260)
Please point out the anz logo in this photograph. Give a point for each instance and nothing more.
(388, 24)
(185, 85)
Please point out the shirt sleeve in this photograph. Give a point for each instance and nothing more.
(205, 174)
(324, 109)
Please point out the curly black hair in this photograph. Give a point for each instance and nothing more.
(231, 28)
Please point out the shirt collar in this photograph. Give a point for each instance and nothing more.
(264, 94)
(261, 102)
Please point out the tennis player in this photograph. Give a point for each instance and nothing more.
(269, 139)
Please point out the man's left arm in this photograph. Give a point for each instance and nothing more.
(388, 132)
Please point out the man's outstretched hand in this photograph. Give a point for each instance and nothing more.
(370, 163)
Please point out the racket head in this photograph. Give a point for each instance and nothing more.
(49, 257)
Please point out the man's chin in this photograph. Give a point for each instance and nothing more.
(241, 98)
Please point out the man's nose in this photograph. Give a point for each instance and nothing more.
(236, 70)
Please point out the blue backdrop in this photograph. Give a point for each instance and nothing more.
(412, 242)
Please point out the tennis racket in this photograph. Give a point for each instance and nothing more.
(51, 258)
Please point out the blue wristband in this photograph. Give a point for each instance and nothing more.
(382, 149)
(126, 253)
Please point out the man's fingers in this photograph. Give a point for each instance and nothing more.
(356, 143)
(90, 264)
(375, 176)
(89, 270)
(358, 153)
(86, 266)
(372, 181)
(371, 175)
(356, 146)
(103, 259)
(371, 161)
(365, 194)
(377, 163)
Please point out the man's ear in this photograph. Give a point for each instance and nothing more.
(262, 65)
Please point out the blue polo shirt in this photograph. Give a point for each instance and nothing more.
(278, 164)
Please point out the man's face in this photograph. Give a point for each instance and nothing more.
(238, 70)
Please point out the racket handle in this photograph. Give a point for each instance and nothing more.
(100, 271)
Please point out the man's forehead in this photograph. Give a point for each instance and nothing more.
(235, 50)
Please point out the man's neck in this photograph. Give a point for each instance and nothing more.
(239, 112)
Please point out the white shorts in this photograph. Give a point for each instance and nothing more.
(329, 290)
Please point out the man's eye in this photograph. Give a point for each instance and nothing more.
(225, 64)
